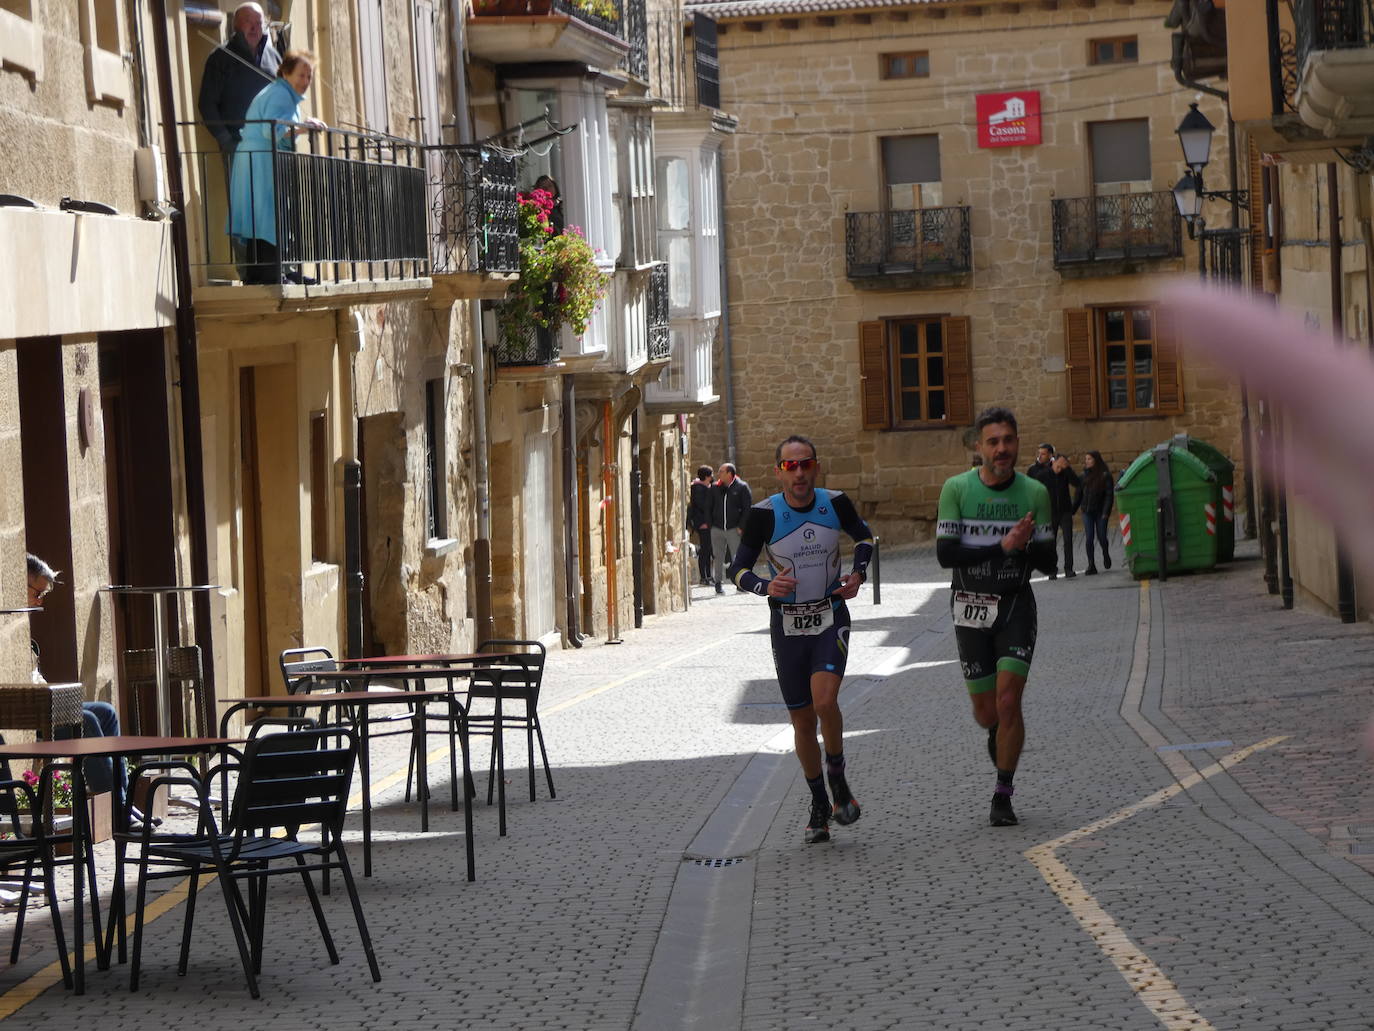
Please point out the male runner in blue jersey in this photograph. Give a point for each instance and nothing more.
(798, 530)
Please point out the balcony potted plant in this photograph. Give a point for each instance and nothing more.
(560, 283)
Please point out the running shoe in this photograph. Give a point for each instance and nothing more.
(846, 810)
(1001, 814)
(818, 827)
(992, 743)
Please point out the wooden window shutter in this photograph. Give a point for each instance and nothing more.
(1257, 218)
(874, 390)
(1168, 370)
(958, 370)
(1079, 363)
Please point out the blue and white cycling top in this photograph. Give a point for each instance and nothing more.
(801, 542)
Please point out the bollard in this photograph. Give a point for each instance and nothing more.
(877, 573)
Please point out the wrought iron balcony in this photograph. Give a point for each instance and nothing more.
(660, 339)
(474, 214)
(527, 345)
(344, 207)
(1334, 62)
(1120, 227)
(637, 35)
(925, 242)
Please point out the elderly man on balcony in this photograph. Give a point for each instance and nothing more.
(235, 73)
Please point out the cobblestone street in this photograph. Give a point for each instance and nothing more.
(1195, 848)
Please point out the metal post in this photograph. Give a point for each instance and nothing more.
(877, 568)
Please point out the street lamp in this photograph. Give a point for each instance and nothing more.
(1188, 198)
(1195, 136)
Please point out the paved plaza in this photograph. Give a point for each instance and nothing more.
(1195, 849)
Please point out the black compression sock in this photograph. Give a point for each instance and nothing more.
(1004, 781)
(817, 786)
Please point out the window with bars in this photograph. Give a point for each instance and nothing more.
(914, 372)
(1121, 360)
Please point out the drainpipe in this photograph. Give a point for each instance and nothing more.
(636, 520)
(1345, 575)
(481, 545)
(572, 577)
(608, 520)
(188, 355)
(726, 357)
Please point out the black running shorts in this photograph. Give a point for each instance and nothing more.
(1009, 644)
(796, 658)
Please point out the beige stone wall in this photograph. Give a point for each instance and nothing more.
(60, 142)
(811, 112)
(1305, 274)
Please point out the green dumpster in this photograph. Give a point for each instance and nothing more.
(1225, 471)
(1172, 481)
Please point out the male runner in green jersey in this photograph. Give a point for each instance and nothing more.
(993, 528)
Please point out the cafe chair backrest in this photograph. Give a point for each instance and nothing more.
(291, 780)
(298, 663)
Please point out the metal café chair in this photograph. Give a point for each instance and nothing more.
(514, 680)
(25, 844)
(286, 781)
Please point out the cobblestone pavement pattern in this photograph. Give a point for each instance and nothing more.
(1250, 892)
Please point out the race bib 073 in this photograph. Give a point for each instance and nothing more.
(976, 611)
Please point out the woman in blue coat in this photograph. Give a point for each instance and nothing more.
(252, 193)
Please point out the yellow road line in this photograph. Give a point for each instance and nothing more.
(1150, 984)
(593, 692)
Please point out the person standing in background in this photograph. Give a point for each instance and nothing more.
(731, 500)
(699, 521)
(1096, 498)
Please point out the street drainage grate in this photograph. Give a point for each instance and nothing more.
(718, 863)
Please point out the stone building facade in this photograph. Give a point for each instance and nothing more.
(935, 207)
(1307, 169)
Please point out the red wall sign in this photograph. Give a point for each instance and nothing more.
(1009, 119)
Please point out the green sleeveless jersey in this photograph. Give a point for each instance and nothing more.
(977, 516)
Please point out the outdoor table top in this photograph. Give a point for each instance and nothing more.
(383, 673)
(111, 745)
(287, 701)
(427, 660)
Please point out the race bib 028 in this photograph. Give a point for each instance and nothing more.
(807, 618)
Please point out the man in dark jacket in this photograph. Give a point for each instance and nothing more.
(235, 73)
(731, 500)
(699, 521)
(1054, 472)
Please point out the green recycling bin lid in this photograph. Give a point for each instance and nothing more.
(1178, 459)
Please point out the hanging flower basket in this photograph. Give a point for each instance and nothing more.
(560, 283)
(603, 9)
